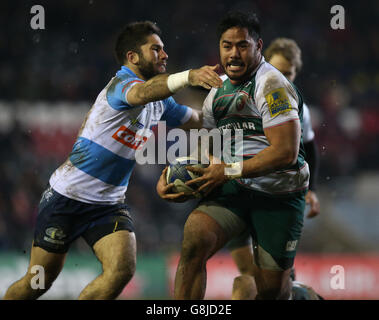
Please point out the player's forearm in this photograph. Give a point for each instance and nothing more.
(281, 153)
(162, 86)
(269, 160)
(152, 90)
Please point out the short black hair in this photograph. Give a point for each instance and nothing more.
(133, 36)
(240, 19)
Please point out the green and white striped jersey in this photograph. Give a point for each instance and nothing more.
(268, 99)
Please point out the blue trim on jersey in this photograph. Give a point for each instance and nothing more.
(174, 112)
(116, 91)
(101, 163)
(126, 71)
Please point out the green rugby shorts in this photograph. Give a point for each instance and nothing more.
(274, 222)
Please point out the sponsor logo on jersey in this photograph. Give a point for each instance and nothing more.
(136, 123)
(237, 125)
(278, 102)
(129, 138)
(291, 245)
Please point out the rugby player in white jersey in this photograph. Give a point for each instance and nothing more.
(265, 191)
(85, 196)
(285, 55)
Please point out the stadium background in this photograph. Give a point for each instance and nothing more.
(50, 78)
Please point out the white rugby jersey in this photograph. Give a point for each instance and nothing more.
(266, 100)
(308, 133)
(103, 157)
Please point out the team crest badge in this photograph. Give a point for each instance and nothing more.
(241, 102)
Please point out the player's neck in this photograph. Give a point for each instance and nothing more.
(135, 70)
(242, 80)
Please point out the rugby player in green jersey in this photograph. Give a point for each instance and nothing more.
(263, 185)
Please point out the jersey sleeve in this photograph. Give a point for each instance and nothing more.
(117, 93)
(208, 118)
(308, 133)
(276, 100)
(175, 114)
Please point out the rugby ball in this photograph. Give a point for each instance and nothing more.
(179, 175)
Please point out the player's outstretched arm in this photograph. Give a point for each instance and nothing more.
(163, 86)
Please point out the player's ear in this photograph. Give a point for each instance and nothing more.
(259, 44)
(132, 57)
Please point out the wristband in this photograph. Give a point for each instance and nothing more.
(233, 170)
(178, 81)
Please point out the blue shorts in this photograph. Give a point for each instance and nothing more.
(62, 220)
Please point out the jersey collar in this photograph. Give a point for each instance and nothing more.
(125, 69)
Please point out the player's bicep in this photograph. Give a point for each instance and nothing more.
(134, 94)
(285, 138)
(117, 93)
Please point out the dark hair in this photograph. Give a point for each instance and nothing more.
(240, 19)
(288, 49)
(133, 36)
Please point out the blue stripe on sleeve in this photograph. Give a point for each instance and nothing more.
(101, 163)
(174, 113)
(116, 91)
